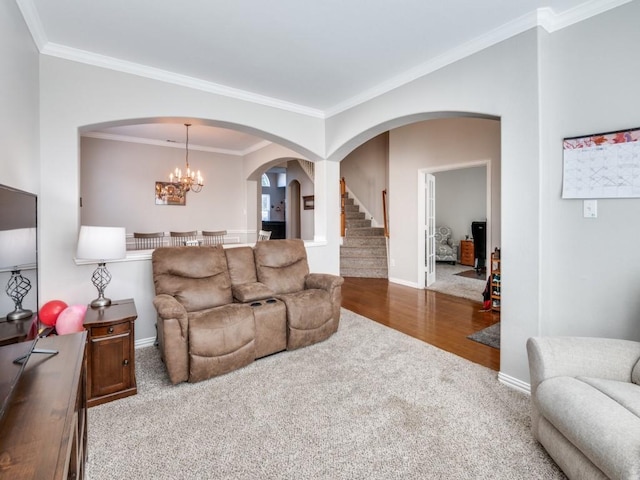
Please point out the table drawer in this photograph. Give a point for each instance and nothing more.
(115, 329)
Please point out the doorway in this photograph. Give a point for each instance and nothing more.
(460, 192)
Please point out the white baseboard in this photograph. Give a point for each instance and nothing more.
(514, 383)
(399, 281)
(145, 342)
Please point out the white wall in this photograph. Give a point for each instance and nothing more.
(590, 268)
(118, 188)
(75, 96)
(501, 81)
(19, 123)
(19, 119)
(365, 172)
(461, 198)
(451, 143)
(562, 276)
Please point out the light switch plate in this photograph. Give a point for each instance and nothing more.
(590, 208)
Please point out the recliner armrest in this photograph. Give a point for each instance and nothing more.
(323, 281)
(605, 358)
(251, 292)
(168, 307)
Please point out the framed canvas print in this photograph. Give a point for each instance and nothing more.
(168, 193)
(308, 202)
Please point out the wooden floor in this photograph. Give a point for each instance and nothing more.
(438, 319)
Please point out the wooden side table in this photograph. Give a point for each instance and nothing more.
(111, 372)
(467, 253)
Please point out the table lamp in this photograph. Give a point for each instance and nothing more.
(101, 244)
(18, 252)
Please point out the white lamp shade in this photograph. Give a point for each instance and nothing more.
(17, 247)
(101, 243)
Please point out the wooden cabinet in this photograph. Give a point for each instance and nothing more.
(496, 279)
(110, 353)
(44, 430)
(467, 253)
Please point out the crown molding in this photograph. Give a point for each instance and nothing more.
(552, 22)
(482, 42)
(256, 147)
(180, 145)
(34, 24)
(111, 63)
(542, 17)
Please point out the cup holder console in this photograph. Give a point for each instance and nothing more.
(267, 301)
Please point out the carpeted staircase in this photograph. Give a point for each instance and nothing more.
(364, 248)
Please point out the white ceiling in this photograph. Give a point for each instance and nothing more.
(315, 57)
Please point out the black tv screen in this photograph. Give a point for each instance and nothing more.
(19, 325)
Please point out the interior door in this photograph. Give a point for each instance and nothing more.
(430, 228)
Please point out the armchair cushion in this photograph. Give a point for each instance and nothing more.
(281, 265)
(220, 340)
(310, 317)
(443, 236)
(197, 277)
(242, 268)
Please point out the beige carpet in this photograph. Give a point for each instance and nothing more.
(448, 281)
(368, 403)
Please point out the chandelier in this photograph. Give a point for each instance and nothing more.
(190, 181)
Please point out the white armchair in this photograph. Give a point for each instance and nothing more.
(585, 404)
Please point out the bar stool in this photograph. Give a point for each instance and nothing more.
(145, 241)
(183, 238)
(213, 237)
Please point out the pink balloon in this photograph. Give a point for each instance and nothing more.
(71, 319)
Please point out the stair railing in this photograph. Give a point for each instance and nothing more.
(343, 215)
(384, 213)
(308, 168)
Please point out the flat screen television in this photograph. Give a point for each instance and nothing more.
(19, 325)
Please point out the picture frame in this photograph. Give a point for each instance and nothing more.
(308, 202)
(168, 193)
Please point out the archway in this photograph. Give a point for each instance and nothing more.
(225, 203)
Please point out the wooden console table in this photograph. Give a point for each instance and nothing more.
(44, 430)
